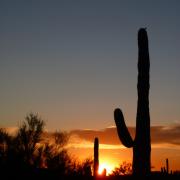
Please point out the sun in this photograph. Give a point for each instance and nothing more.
(108, 167)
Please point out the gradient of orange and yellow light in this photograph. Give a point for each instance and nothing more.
(111, 156)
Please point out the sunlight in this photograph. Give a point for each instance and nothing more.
(107, 166)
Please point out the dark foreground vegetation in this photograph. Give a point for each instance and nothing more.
(52, 175)
(31, 154)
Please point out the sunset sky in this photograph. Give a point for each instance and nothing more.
(73, 62)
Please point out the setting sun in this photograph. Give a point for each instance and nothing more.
(107, 166)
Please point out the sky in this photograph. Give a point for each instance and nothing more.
(74, 62)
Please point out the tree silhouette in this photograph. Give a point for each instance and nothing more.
(5, 140)
(54, 154)
(29, 134)
(61, 139)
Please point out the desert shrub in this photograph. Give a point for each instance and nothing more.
(124, 169)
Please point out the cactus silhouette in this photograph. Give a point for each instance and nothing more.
(141, 144)
(167, 166)
(96, 156)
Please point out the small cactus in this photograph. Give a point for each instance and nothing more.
(96, 156)
(141, 144)
(167, 166)
(165, 170)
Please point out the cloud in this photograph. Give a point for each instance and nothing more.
(77, 142)
(166, 134)
(159, 135)
(108, 137)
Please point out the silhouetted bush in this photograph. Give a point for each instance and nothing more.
(123, 169)
(83, 168)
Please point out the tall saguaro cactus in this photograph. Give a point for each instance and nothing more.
(96, 156)
(142, 143)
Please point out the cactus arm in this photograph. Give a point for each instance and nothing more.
(122, 130)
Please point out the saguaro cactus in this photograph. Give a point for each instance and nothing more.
(141, 144)
(96, 156)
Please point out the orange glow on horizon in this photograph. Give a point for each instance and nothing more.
(106, 165)
(111, 156)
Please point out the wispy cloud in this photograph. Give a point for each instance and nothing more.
(77, 142)
(163, 135)
(159, 135)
